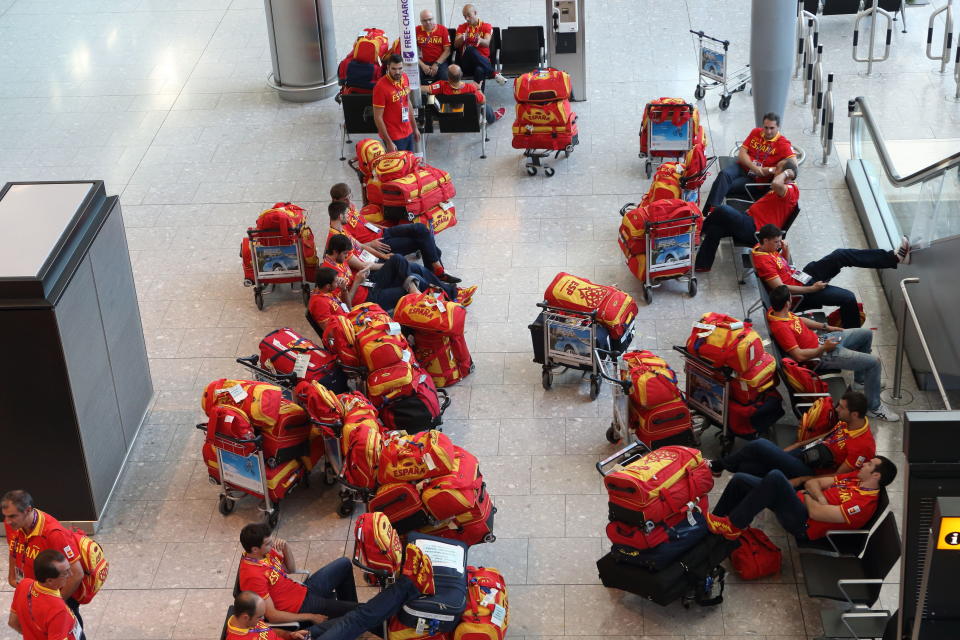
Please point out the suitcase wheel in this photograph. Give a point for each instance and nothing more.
(329, 475)
(549, 171)
(258, 299)
(226, 505)
(692, 287)
(489, 538)
(647, 293)
(531, 171)
(547, 379)
(612, 436)
(594, 387)
(345, 508)
(648, 168)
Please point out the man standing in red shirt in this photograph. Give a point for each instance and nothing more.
(30, 531)
(391, 108)
(473, 43)
(759, 154)
(455, 86)
(434, 42)
(773, 208)
(38, 611)
(845, 501)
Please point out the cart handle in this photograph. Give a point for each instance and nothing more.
(252, 362)
(627, 207)
(335, 428)
(701, 35)
(648, 225)
(725, 370)
(600, 355)
(253, 233)
(631, 453)
(592, 315)
(256, 439)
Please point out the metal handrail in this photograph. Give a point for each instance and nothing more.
(901, 334)
(872, 13)
(944, 55)
(826, 122)
(860, 116)
(804, 17)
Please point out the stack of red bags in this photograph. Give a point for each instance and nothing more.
(438, 341)
(656, 409)
(544, 117)
(288, 221)
(633, 232)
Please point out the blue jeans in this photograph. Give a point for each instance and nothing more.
(747, 495)
(441, 74)
(367, 616)
(476, 64)
(409, 238)
(388, 282)
(759, 457)
(405, 144)
(734, 178)
(331, 590)
(827, 268)
(724, 222)
(853, 354)
(428, 278)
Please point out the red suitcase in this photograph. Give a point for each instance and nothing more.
(542, 85)
(418, 192)
(553, 114)
(401, 502)
(555, 138)
(473, 526)
(660, 422)
(286, 351)
(447, 496)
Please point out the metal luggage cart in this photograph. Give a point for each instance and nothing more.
(534, 156)
(277, 261)
(708, 395)
(570, 342)
(665, 140)
(671, 245)
(620, 425)
(712, 68)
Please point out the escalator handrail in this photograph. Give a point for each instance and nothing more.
(860, 114)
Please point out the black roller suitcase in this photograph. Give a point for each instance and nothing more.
(696, 577)
(439, 613)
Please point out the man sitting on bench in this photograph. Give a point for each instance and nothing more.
(473, 42)
(771, 257)
(840, 349)
(456, 86)
(843, 501)
(773, 208)
(841, 450)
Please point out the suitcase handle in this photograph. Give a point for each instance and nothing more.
(627, 207)
(601, 356)
(591, 315)
(282, 379)
(632, 452)
(256, 440)
(445, 401)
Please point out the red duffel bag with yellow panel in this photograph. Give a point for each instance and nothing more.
(615, 309)
(542, 85)
(419, 191)
(487, 615)
(429, 313)
(633, 228)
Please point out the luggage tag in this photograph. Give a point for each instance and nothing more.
(371, 226)
(489, 597)
(236, 392)
(446, 205)
(393, 328)
(707, 329)
(428, 460)
(301, 365)
(346, 309)
(499, 613)
(421, 626)
(406, 356)
(442, 308)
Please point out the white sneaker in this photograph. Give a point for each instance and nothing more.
(500, 79)
(885, 413)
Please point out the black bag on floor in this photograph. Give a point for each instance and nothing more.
(696, 576)
(439, 613)
(604, 341)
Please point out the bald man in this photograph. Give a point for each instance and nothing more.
(433, 41)
(455, 85)
(473, 43)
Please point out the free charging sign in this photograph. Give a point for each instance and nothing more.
(408, 43)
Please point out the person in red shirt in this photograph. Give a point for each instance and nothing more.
(391, 108)
(381, 282)
(843, 449)
(455, 86)
(30, 531)
(840, 349)
(773, 208)
(473, 43)
(757, 159)
(771, 258)
(38, 610)
(843, 501)
(434, 42)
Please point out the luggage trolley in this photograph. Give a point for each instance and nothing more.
(277, 259)
(664, 139)
(620, 425)
(713, 71)
(671, 251)
(708, 394)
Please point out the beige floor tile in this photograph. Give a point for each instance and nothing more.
(133, 565)
(313, 517)
(765, 609)
(593, 609)
(537, 610)
(506, 475)
(142, 614)
(197, 565)
(528, 516)
(674, 618)
(566, 474)
(501, 401)
(531, 436)
(586, 515)
(479, 437)
(175, 520)
(507, 555)
(564, 561)
(202, 614)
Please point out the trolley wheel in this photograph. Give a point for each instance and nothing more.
(692, 287)
(568, 149)
(329, 476)
(612, 436)
(647, 293)
(273, 518)
(547, 379)
(489, 538)
(305, 293)
(549, 171)
(345, 509)
(594, 387)
(531, 171)
(226, 505)
(648, 168)
(742, 87)
(724, 102)
(258, 299)
(699, 92)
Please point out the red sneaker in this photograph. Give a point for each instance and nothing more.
(499, 113)
(721, 526)
(702, 269)
(418, 567)
(465, 295)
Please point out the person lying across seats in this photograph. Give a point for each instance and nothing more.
(402, 239)
(841, 450)
(772, 260)
(415, 579)
(774, 207)
(839, 349)
(757, 159)
(473, 42)
(327, 593)
(381, 282)
(456, 86)
(825, 503)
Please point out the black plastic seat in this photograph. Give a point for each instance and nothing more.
(521, 49)
(847, 542)
(357, 117)
(461, 113)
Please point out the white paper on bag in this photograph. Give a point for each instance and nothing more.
(237, 393)
(489, 597)
(499, 613)
(406, 356)
(372, 227)
(393, 328)
(443, 555)
(428, 460)
(301, 365)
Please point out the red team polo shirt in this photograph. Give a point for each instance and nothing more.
(47, 533)
(791, 332)
(772, 209)
(43, 613)
(392, 96)
(851, 446)
(771, 265)
(344, 271)
(359, 229)
(432, 44)
(767, 153)
(480, 30)
(268, 578)
(443, 88)
(856, 504)
(260, 632)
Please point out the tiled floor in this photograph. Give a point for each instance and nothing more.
(165, 100)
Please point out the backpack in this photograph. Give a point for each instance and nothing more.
(487, 615)
(757, 556)
(95, 567)
(817, 420)
(376, 544)
(802, 379)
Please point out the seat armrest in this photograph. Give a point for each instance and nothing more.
(861, 613)
(844, 532)
(849, 582)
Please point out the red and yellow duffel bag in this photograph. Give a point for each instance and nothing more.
(322, 404)
(761, 374)
(426, 312)
(615, 309)
(368, 150)
(446, 358)
(262, 402)
(376, 544)
(373, 191)
(417, 192)
(487, 615)
(556, 115)
(382, 350)
(651, 424)
(441, 217)
(665, 185)
(395, 164)
(450, 495)
(658, 485)
(428, 454)
(633, 227)
(360, 444)
(401, 503)
(723, 340)
(545, 136)
(95, 567)
(649, 387)
(820, 418)
(677, 110)
(396, 630)
(323, 306)
(471, 527)
(340, 339)
(647, 359)
(542, 85)
(373, 214)
(371, 46)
